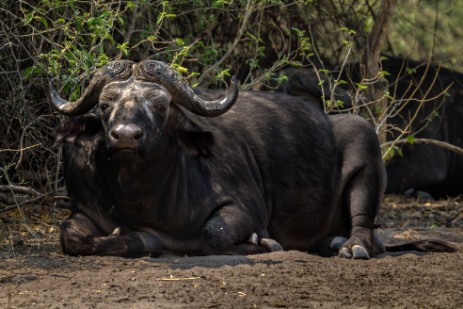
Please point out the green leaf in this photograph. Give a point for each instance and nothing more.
(43, 20)
(131, 5)
(75, 94)
(31, 71)
(28, 18)
(179, 68)
(123, 48)
(410, 71)
(223, 73)
(179, 42)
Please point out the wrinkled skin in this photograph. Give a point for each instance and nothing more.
(146, 176)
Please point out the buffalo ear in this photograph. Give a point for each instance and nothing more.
(85, 130)
(182, 125)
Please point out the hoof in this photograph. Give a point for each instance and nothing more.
(357, 253)
(271, 244)
(345, 253)
(337, 242)
(360, 252)
(253, 239)
(268, 243)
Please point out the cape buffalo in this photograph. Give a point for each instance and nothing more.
(430, 105)
(427, 104)
(151, 165)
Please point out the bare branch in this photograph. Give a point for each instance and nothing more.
(428, 141)
(244, 25)
(20, 190)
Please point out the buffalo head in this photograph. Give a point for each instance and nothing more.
(137, 103)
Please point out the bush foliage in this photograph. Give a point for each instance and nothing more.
(205, 40)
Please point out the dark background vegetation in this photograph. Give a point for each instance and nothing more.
(206, 40)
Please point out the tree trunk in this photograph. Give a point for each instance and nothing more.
(378, 85)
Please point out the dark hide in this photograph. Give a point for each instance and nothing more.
(424, 167)
(419, 167)
(273, 165)
(315, 86)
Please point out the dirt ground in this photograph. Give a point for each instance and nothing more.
(34, 274)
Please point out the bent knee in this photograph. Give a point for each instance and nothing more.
(77, 234)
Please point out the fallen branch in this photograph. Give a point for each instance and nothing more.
(30, 201)
(20, 190)
(31, 197)
(453, 219)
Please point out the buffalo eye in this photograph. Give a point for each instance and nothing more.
(158, 102)
(161, 108)
(107, 98)
(103, 106)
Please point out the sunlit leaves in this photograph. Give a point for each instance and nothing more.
(165, 13)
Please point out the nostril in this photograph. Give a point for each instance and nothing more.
(114, 134)
(138, 134)
(133, 132)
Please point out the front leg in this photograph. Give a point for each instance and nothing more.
(80, 236)
(232, 230)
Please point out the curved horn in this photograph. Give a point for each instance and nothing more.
(116, 70)
(182, 93)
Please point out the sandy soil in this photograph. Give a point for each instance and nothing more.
(34, 274)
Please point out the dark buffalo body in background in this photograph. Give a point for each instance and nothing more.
(425, 167)
(428, 103)
(151, 166)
